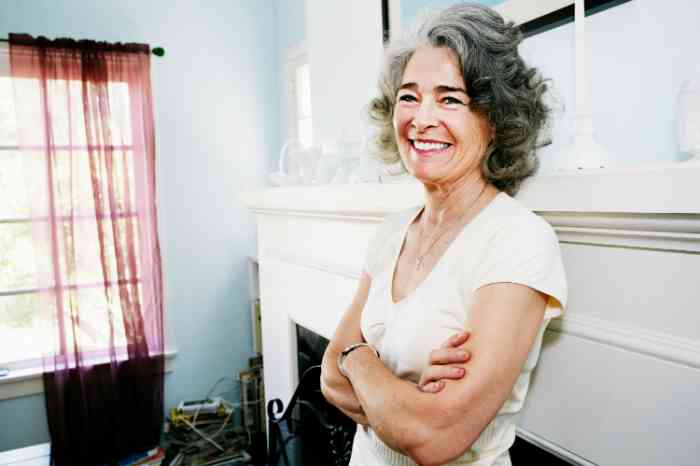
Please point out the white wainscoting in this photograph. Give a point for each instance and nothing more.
(619, 374)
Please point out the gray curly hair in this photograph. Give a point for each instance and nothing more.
(500, 85)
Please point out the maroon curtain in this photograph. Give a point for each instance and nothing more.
(85, 121)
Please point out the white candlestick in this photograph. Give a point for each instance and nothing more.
(585, 152)
(688, 121)
(582, 103)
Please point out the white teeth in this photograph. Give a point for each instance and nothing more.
(430, 145)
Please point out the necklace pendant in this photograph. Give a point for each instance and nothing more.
(419, 262)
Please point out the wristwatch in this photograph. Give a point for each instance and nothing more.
(343, 354)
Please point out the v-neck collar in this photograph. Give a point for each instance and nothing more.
(402, 243)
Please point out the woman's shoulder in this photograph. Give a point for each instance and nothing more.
(510, 216)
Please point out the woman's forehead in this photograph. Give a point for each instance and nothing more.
(434, 66)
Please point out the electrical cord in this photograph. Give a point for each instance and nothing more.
(211, 390)
(209, 438)
(203, 435)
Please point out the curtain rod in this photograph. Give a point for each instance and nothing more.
(157, 51)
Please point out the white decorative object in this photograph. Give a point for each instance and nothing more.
(585, 152)
(297, 164)
(347, 161)
(688, 124)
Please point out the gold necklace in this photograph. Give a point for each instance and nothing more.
(421, 257)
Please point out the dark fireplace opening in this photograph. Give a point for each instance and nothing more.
(309, 430)
(310, 348)
(312, 446)
(321, 444)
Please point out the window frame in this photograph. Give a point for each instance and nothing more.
(25, 375)
(292, 58)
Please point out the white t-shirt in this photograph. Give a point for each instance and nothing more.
(505, 242)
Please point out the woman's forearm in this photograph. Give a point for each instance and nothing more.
(338, 391)
(351, 408)
(396, 409)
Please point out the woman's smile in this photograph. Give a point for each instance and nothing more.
(428, 148)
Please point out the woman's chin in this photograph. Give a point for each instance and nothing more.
(427, 175)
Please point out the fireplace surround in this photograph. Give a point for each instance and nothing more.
(623, 356)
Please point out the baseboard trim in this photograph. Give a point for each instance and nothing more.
(35, 455)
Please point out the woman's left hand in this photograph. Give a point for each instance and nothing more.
(442, 365)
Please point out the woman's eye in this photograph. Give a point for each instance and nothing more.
(407, 98)
(452, 100)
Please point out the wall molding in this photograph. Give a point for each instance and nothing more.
(635, 339)
(663, 232)
(638, 340)
(655, 231)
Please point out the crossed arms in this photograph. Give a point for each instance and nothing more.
(437, 425)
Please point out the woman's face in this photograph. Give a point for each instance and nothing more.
(439, 138)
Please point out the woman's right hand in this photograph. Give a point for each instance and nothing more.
(441, 365)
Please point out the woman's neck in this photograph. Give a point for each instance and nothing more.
(445, 203)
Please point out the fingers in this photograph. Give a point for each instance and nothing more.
(432, 387)
(435, 376)
(456, 340)
(449, 356)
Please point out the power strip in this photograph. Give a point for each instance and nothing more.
(210, 405)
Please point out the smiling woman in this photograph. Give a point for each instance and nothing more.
(456, 294)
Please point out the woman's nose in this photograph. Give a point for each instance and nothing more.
(425, 116)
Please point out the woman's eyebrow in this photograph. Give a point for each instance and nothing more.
(443, 89)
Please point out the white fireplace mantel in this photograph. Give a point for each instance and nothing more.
(667, 188)
(627, 348)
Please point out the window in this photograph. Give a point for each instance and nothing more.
(302, 85)
(298, 97)
(26, 320)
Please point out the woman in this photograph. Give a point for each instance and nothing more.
(463, 112)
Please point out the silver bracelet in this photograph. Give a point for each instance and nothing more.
(343, 354)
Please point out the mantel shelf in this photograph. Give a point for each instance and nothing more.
(656, 189)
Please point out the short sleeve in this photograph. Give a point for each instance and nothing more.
(526, 251)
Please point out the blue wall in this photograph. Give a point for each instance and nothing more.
(291, 23)
(411, 8)
(215, 92)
